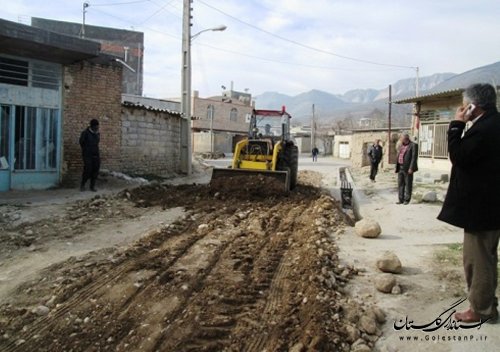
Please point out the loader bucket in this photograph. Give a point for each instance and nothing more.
(254, 182)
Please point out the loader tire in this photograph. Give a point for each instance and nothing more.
(294, 165)
(290, 163)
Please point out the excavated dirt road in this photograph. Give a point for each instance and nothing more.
(241, 271)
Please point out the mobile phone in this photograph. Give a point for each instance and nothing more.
(469, 110)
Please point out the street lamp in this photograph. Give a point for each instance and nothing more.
(186, 162)
(215, 29)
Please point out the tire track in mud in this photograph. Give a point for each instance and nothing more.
(224, 281)
(179, 247)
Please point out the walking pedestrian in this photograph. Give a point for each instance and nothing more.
(315, 152)
(89, 142)
(375, 154)
(473, 198)
(405, 168)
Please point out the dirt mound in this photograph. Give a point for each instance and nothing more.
(236, 274)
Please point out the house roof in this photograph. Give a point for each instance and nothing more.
(150, 108)
(431, 97)
(22, 40)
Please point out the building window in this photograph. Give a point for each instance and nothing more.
(233, 115)
(35, 138)
(14, 71)
(30, 73)
(210, 112)
(4, 136)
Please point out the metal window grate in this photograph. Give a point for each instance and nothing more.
(30, 73)
(433, 141)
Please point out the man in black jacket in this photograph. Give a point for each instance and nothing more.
(89, 141)
(406, 166)
(375, 155)
(473, 198)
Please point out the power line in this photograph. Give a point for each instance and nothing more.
(157, 11)
(240, 53)
(118, 3)
(301, 44)
(287, 62)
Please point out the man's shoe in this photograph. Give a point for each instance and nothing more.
(406, 203)
(469, 316)
(399, 202)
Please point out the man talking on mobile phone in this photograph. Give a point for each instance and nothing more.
(473, 198)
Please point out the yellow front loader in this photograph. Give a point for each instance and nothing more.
(268, 151)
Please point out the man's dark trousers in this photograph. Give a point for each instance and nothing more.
(480, 265)
(405, 185)
(91, 167)
(373, 170)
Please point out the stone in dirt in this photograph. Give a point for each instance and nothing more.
(41, 310)
(396, 290)
(298, 347)
(385, 282)
(362, 348)
(367, 324)
(368, 228)
(352, 333)
(389, 263)
(379, 314)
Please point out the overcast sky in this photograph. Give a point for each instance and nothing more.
(435, 35)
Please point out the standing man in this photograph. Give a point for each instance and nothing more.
(473, 198)
(89, 141)
(375, 155)
(405, 167)
(315, 152)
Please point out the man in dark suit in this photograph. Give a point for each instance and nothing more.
(89, 142)
(473, 198)
(375, 154)
(405, 167)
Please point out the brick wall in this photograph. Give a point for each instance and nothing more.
(150, 142)
(90, 91)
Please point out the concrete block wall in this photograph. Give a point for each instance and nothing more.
(223, 142)
(150, 142)
(222, 112)
(90, 91)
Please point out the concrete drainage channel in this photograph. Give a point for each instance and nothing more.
(348, 194)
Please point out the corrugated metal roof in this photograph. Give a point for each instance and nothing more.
(150, 108)
(430, 96)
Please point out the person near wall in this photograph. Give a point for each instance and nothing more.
(406, 166)
(315, 152)
(375, 155)
(89, 142)
(473, 198)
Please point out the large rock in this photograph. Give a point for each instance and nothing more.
(430, 197)
(389, 263)
(368, 228)
(385, 282)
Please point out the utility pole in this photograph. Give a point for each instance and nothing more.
(186, 89)
(417, 82)
(313, 130)
(389, 149)
(82, 31)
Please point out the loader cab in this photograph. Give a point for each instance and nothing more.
(270, 124)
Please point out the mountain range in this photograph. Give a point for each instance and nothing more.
(358, 103)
